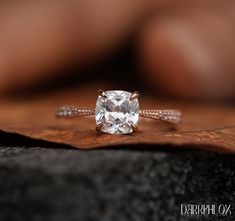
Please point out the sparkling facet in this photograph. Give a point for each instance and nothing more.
(117, 112)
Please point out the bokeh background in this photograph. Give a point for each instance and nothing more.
(176, 48)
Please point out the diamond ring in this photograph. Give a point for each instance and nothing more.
(117, 112)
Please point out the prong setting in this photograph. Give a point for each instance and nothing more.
(102, 93)
(134, 127)
(99, 127)
(134, 95)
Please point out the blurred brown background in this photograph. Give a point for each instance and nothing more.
(178, 48)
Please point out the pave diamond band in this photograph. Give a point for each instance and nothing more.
(172, 116)
(72, 111)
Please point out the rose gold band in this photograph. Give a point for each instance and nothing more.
(172, 116)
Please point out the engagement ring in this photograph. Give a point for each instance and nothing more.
(117, 112)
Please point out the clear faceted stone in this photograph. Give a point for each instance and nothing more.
(117, 112)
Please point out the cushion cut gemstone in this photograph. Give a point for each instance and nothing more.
(117, 112)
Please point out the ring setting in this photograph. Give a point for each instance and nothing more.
(118, 112)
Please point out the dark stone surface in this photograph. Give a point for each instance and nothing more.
(55, 183)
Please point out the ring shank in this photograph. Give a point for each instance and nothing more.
(72, 111)
(171, 116)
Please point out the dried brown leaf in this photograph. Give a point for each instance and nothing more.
(202, 124)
